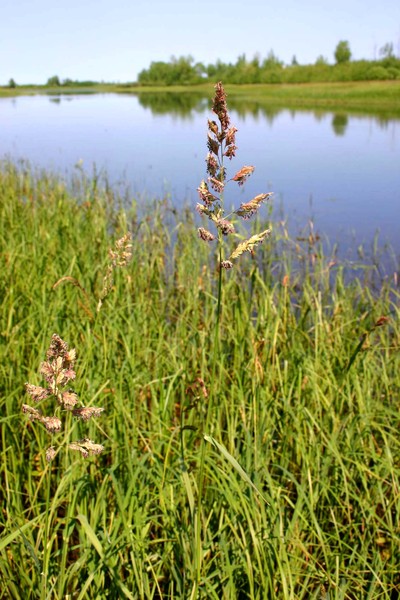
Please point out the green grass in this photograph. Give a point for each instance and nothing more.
(365, 96)
(306, 392)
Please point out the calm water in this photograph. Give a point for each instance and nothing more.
(343, 171)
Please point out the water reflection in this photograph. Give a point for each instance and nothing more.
(340, 123)
(346, 163)
(172, 103)
(186, 104)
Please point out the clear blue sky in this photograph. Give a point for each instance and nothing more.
(114, 40)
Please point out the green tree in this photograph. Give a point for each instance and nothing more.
(179, 71)
(53, 81)
(321, 60)
(342, 52)
(272, 61)
(11, 83)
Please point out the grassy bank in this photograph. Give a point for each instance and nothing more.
(373, 95)
(305, 394)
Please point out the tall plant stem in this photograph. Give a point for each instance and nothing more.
(45, 563)
(210, 406)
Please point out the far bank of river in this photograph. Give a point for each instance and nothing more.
(367, 96)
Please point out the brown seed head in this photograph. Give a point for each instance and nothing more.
(230, 137)
(248, 209)
(212, 145)
(86, 447)
(68, 375)
(225, 226)
(205, 195)
(212, 164)
(226, 264)
(47, 370)
(230, 143)
(57, 347)
(216, 184)
(87, 412)
(70, 356)
(52, 424)
(203, 210)
(33, 413)
(243, 174)
(219, 107)
(205, 235)
(36, 392)
(68, 399)
(50, 453)
(213, 127)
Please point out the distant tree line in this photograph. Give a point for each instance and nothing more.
(185, 71)
(55, 81)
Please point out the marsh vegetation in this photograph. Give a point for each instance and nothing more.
(307, 384)
(244, 388)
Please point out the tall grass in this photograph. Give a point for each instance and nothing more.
(308, 392)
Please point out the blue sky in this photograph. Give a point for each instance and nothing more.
(114, 41)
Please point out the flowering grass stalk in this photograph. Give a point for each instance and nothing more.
(120, 256)
(58, 371)
(221, 144)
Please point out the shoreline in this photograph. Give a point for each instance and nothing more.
(374, 96)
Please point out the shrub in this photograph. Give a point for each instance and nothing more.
(393, 73)
(378, 73)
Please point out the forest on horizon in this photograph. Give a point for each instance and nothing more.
(184, 70)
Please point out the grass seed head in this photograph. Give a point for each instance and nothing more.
(36, 392)
(68, 399)
(52, 424)
(248, 209)
(221, 142)
(226, 264)
(219, 107)
(58, 372)
(87, 412)
(225, 226)
(50, 453)
(205, 235)
(244, 173)
(249, 245)
(86, 447)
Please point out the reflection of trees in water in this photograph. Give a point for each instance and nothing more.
(182, 104)
(185, 104)
(339, 123)
(245, 107)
